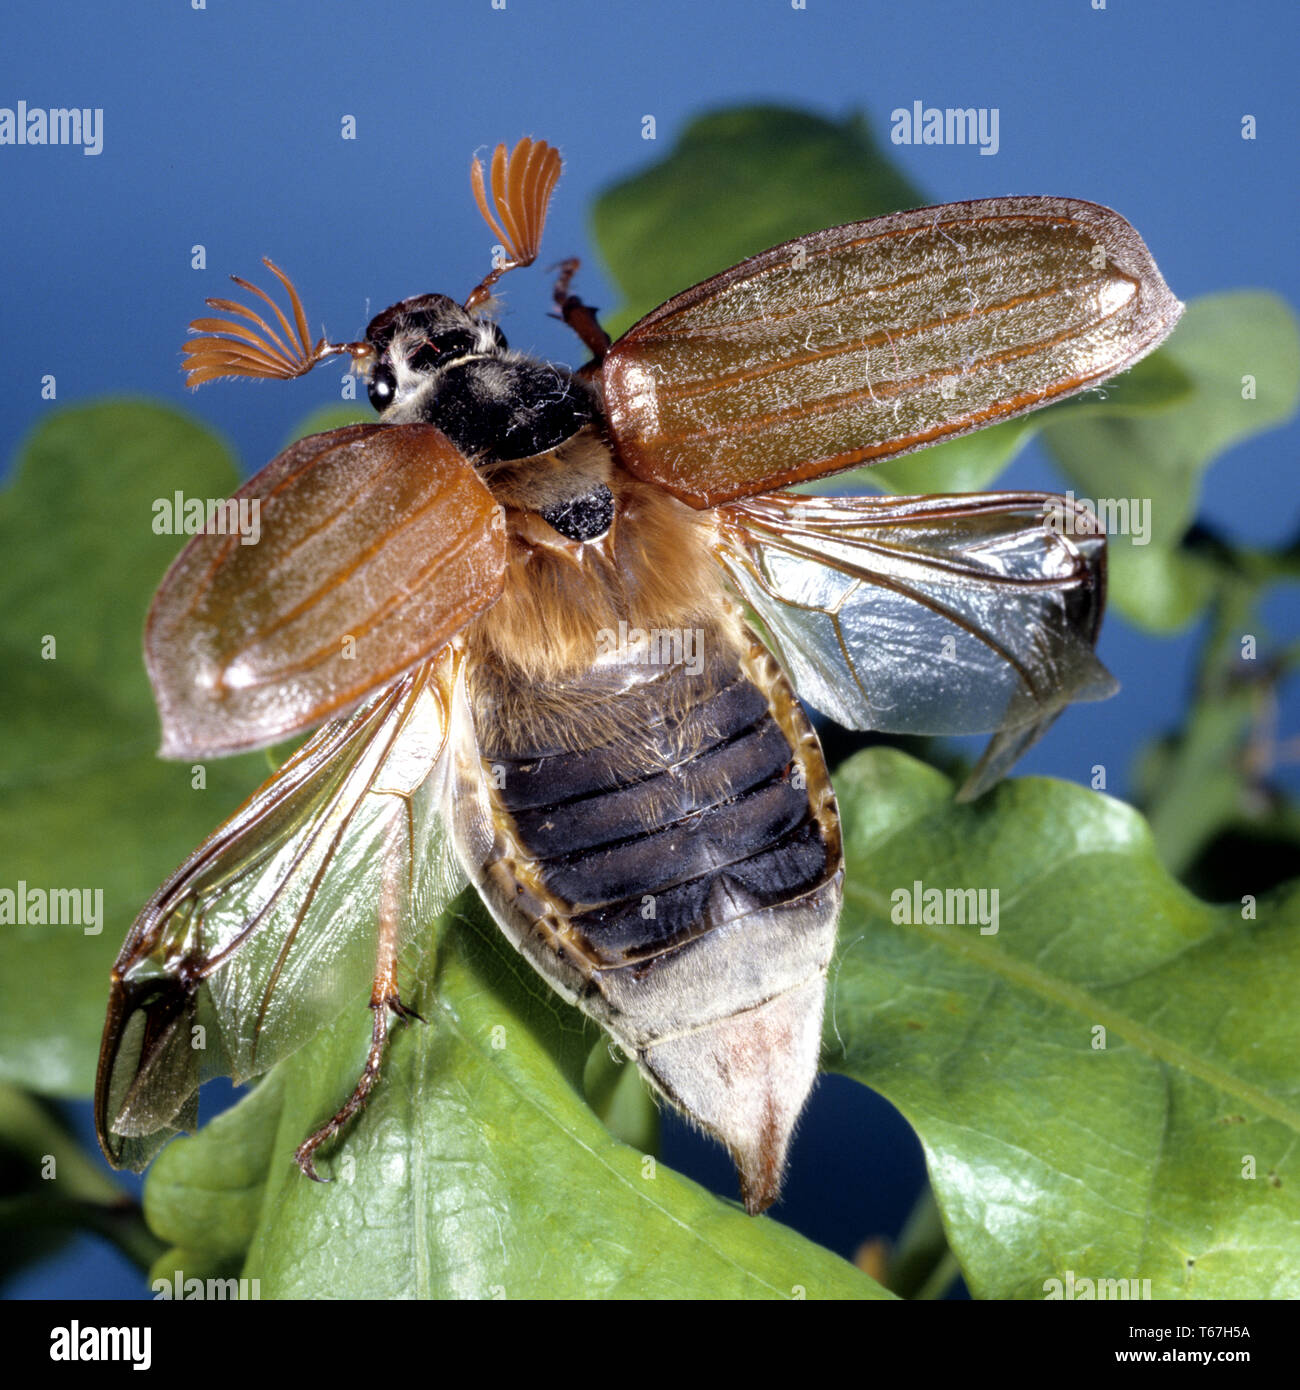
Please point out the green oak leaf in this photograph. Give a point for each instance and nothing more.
(1222, 340)
(1169, 1152)
(736, 182)
(477, 1170)
(87, 804)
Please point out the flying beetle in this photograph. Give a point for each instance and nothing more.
(554, 627)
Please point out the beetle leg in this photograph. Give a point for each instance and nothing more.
(579, 316)
(383, 999)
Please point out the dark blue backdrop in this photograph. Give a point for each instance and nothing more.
(222, 127)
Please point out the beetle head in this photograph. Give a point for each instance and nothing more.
(414, 343)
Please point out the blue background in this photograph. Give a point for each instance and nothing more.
(222, 127)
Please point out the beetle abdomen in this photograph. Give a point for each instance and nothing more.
(706, 817)
(669, 858)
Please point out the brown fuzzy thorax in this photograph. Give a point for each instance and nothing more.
(652, 570)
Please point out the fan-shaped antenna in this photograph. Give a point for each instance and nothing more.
(228, 348)
(522, 184)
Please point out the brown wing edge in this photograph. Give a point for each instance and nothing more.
(1121, 239)
(145, 1035)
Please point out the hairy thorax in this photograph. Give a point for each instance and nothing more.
(563, 599)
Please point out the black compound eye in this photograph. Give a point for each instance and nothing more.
(382, 387)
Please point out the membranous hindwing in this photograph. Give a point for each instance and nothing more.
(928, 615)
(282, 919)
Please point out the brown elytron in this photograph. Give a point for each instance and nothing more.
(812, 357)
(525, 600)
(384, 536)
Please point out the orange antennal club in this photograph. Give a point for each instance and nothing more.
(229, 349)
(522, 184)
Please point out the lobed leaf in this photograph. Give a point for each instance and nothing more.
(1109, 1083)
